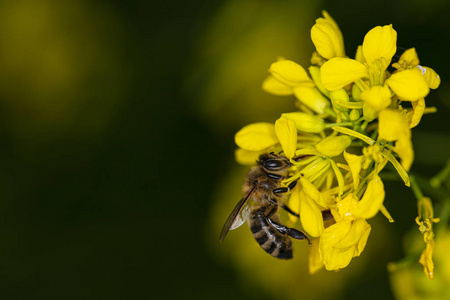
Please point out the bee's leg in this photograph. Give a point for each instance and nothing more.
(292, 232)
(289, 210)
(326, 214)
(285, 189)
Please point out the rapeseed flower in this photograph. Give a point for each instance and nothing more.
(351, 122)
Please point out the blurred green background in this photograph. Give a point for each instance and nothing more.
(117, 121)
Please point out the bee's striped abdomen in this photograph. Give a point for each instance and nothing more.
(268, 237)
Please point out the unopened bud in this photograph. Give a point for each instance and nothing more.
(339, 96)
(333, 145)
(306, 122)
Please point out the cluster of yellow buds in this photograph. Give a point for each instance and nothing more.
(354, 116)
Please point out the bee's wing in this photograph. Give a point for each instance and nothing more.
(237, 217)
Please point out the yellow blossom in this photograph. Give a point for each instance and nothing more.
(287, 135)
(378, 48)
(347, 238)
(409, 60)
(327, 37)
(287, 78)
(256, 136)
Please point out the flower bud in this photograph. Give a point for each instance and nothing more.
(306, 122)
(341, 96)
(369, 113)
(354, 114)
(356, 93)
(333, 145)
(312, 98)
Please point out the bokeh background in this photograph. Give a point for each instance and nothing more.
(117, 156)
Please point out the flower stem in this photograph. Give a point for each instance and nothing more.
(415, 187)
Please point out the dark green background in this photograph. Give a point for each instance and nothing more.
(121, 213)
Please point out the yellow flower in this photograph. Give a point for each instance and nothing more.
(327, 37)
(347, 238)
(409, 60)
(378, 48)
(287, 78)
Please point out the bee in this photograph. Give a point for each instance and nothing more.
(263, 195)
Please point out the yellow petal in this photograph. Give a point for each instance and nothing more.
(426, 260)
(365, 228)
(275, 87)
(431, 77)
(405, 151)
(333, 145)
(314, 261)
(311, 190)
(339, 72)
(386, 213)
(359, 56)
(345, 207)
(352, 239)
(290, 73)
(256, 136)
(287, 135)
(335, 259)
(377, 97)
(392, 125)
(327, 37)
(315, 74)
(409, 57)
(380, 43)
(310, 215)
(371, 202)
(312, 98)
(408, 85)
(355, 163)
(417, 112)
(306, 122)
(246, 157)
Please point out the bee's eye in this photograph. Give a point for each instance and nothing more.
(273, 164)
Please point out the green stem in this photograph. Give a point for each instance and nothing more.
(415, 187)
(436, 181)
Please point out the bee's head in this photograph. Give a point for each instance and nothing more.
(272, 162)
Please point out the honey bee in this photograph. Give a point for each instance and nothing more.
(259, 207)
